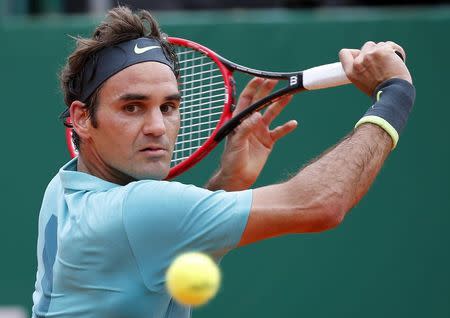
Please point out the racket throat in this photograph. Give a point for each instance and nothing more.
(295, 85)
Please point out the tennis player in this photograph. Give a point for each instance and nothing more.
(109, 227)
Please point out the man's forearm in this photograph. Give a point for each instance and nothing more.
(337, 180)
(318, 197)
(347, 170)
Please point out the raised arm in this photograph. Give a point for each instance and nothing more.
(320, 195)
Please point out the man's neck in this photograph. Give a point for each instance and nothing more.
(92, 164)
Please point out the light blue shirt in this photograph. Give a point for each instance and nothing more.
(103, 249)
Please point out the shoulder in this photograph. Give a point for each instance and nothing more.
(172, 203)
(53, 190)
(161, 193)
(170, 196)
(54, 184)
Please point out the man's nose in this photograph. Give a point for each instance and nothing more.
(154, 123)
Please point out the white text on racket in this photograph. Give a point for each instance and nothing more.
(293, 80)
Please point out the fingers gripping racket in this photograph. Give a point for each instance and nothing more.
(208, 99)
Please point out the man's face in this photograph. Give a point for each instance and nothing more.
(138, 120)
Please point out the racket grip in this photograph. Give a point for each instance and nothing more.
(324, 76)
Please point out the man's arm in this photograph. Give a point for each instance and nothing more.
(320, 195)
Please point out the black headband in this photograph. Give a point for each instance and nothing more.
(113, 59)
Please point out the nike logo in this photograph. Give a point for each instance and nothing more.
(140, 50)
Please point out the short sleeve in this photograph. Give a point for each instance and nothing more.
(163, 219)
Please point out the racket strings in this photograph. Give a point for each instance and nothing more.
(203, 95)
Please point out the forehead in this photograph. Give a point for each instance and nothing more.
(147, 77)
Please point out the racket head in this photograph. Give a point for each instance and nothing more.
(207, 98)
(207, 89)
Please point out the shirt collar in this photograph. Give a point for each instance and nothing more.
(76, 180)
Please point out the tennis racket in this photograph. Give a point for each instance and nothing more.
(208, 99)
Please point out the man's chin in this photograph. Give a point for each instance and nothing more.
(153, 175)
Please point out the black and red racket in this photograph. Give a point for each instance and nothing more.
(208, 98)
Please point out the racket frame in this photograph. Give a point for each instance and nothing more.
(227, 111)
(227, 123)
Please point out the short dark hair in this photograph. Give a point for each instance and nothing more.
(121, 24)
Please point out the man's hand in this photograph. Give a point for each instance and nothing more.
(373, 64)
(248, 147)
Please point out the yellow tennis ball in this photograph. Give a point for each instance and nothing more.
(193, 278)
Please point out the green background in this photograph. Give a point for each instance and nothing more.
(390, 257)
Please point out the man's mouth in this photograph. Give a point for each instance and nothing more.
(154, 150)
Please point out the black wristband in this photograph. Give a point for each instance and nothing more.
(393, 101)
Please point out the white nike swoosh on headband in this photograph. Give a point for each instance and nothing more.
(140, 50)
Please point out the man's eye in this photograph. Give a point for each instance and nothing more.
(131, 108)
(166, 108)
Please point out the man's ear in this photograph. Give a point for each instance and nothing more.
(80, 119)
